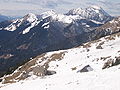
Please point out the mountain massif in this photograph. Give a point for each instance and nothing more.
(24, 44)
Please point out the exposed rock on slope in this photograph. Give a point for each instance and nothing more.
(87, 68)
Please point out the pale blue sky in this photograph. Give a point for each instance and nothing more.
(22, 7)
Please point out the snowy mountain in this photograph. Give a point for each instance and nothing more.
(94, 13)
(93, 65)
(29, 19)
(32, 35)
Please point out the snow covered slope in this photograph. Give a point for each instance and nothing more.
(92, 66)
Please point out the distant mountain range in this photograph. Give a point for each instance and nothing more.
(3, 18)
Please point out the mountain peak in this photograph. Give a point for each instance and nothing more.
(30, 17)
(48, 13)
(95, 13)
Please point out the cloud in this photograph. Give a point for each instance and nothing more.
(61, 6)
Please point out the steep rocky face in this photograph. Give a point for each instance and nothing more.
(32, 35)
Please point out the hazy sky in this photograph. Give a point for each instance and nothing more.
(22, 7)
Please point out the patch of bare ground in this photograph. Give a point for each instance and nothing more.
(105, 58)
(87, 45)
(74, 68)
(57, 56)
(24, 71)
(21, 72)
(108, 64)
(112, 37)
(112, 62)
(100, 45)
